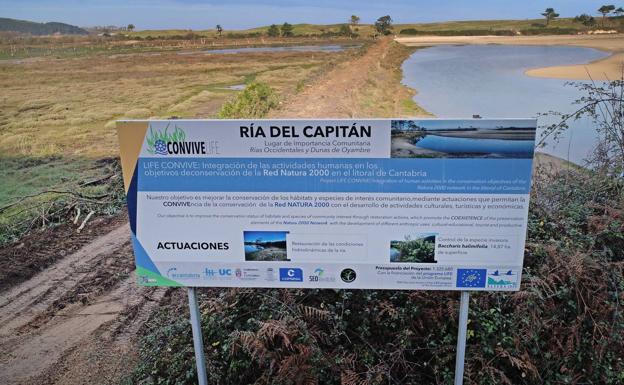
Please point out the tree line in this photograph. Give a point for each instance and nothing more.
(586, 19)
(383, 26)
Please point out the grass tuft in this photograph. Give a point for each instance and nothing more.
(254, 102)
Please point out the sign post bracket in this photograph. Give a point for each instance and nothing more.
(461, 337)
(198, 342)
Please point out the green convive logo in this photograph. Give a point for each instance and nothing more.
(166, 142)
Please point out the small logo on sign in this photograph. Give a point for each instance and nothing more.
(143, 279)
(291, 274)
(471, 277)
(348, 275)
(158, 141)
(320, 275)
(502, 279)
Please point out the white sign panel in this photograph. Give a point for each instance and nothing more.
(377, 204)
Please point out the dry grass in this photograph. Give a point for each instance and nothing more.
(57, 116)
(65, 107)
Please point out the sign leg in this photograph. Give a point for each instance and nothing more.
(197, 337)
(461, 337)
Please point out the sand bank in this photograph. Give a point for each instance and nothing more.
(405, 148)
(609, 68)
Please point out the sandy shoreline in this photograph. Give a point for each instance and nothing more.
(405, 148)
(609, 68)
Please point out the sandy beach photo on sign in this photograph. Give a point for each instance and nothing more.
(462, 139)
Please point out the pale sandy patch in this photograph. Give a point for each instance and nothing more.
(404, 147)
(610, 68)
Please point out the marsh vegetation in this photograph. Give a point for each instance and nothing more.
(58, 114)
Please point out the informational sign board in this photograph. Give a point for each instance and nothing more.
(371, 204)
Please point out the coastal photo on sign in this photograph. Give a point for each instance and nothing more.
(265, 245)
(470, 139)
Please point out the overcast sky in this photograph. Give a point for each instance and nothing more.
(240, 14)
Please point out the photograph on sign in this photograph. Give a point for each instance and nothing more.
(427, 204)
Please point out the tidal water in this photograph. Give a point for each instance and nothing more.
(451, 145)
(252, 248)
(490, 81)
(291, 48)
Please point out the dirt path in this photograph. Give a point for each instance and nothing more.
(75, 322)
(368, 86)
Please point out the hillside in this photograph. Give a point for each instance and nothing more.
(456, 26)
(468, 27)
(450, 28)
(30, 27)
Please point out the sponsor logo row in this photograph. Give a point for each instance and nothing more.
(469, 278)
(283, 274)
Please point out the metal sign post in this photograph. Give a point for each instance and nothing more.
(199, 345)
(461, 337)
(198, 342)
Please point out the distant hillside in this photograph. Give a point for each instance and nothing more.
(446, 28)
(33, 28)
